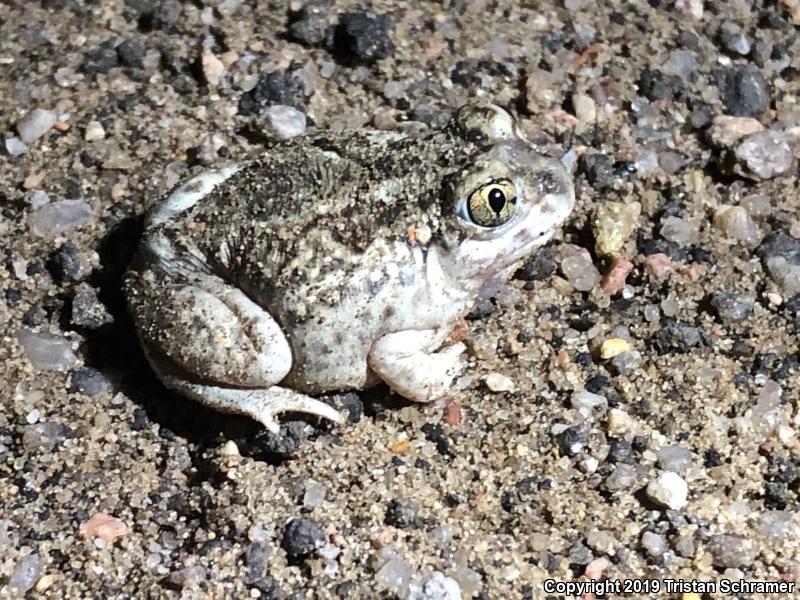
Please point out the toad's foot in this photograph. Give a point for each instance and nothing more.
(403, 360)
(261, 405)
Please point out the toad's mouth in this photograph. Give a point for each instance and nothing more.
(524, 242)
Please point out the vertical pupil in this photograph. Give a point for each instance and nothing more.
(497, 200)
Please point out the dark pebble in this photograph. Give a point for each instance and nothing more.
(657, 85)
(776, 495)
(648, 247)
(302, 536)
(88, 381)
(278, 87)
(596, 383)
(101, 59)
(351, 402)
(363, 36)
(346, 589)
(731, 308)
(620, 451)
(675, 336)
(13, 295)
(255, 558)
(779, 244)
(309, 25)
(579, 554)
(140, 419)
(744, 91)
(711, 458)
(286, 442)
(66, 263)
(572, 440)
(87, 310)
(434, 432)
(401, 513)
(701, 116)
(131, 53)
(598, 168)
(482, 308)
(538, 266)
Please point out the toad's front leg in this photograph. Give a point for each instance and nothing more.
(405, 360)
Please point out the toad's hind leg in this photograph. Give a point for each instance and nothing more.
(206, 339)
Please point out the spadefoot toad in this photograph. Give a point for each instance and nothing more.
(338, 260)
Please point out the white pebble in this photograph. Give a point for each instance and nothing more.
(213, 69)
(15, 146)
(679, 231)
(395, 574)
(26, 573)
(35, 124)
(59, 217)
(669, 490)
(94, 131)
(286, 121)
(47, 352)
(440, 587)
(499, 383)
(38, 199)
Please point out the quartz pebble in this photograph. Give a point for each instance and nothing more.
(730, 551)
(94, 131)
(614, 223)
(395, 574)
(285, 121)
(15, 146)
(59, 217)
(737, 224)
(314, 494)
(764, 155)
(678, 230)
(25, 574)
(580, 272)
(668, 490)
(46, 351)
(675, 458)
(35, 124)
(499, 383)
(655, 545)
(438, 587)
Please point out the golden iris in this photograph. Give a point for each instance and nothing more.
(492, 204)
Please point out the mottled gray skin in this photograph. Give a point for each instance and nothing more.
(334, 242)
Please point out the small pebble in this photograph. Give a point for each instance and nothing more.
(594, 570)
(47, 352)
(668, 490)
(35, 124)
(744, 91)
(614, 281)
(213, 69)
(726, 130)
(731, 308)
(395, 574)
(581, 272)
(733, 40)
(302, 537)
(105, 527)
(585, 108)
(730, 551)
(658, 266)
(675, 458)
(59, 217)
(678, 230)
(499, 383)
(439, 587)
(94, 131)
(363, 36)
(655, 545)
(613, 347)
(88, 381)
(285, 121)
(619, 422)
(737, 224)
(15, 146)
(764, 155)
(614, 223)
(401, 513)
(25, 574)
(314, 493)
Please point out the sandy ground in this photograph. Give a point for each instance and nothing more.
(625, 393)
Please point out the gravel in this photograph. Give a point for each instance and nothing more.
(683, 244)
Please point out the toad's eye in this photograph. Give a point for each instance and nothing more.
(493, 204)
